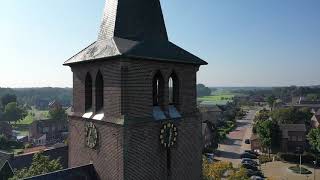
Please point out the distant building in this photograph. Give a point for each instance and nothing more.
(207, 135)
(211, 113)
(54, 105)
(292, 136)
(255, 142)
(42, 104)
(49, 131)
(315, 121)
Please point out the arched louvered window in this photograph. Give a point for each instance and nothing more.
(173, 85)
(158, 83)
(88, 93)
(99, 91)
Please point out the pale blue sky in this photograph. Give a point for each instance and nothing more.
(245, 42)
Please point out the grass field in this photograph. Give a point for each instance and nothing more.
(216, 99)
(23, 125)
(219, 97)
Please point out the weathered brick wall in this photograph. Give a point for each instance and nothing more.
(108, 156)
(138, 99)
(128, 92)
(111, 73)
(146, 159)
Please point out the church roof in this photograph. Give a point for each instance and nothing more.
(87, 172)
(134, 29)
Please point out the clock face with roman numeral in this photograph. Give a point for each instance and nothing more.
(168, 135)
(91, 135)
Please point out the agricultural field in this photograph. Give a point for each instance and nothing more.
(219, 96)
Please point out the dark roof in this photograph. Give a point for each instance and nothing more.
(4, 156)
(6, 171)
(136, 20)
(25, 160)
(49, 122)
(134, 29)
(86, 172)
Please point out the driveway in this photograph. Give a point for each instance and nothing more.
(234, 145)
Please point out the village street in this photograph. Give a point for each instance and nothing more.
(234, 145)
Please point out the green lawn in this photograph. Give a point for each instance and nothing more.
(216, 99)
(23, 125)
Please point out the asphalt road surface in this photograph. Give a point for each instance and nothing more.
(234, 145)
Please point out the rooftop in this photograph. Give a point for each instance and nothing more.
(136, 30)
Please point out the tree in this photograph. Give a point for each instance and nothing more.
(314, 140)
(271, 99)
(202, 90)
(13, 113)
(40, 165)
(222, 170)
(240, 174)
(8, 98)
(3, 141)
(268, 132)
(291, 115)
(57, 113)
(215, 170)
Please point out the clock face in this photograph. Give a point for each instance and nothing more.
(168, 135)
(91, 135)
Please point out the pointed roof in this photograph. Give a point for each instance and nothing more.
(134, 29)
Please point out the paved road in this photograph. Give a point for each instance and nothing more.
(234, 145)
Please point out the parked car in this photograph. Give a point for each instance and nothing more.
(252, 152)
(248, 155)
(251, 173)
(247, 141)
(250, 166)
(256, 178)
(250, 161)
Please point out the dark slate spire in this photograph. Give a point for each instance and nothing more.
(137, 20)
(134, 29)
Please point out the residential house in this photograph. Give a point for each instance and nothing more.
(211, 113)
(9, 162)
(54, 105)
(315, 121)
(48, 131)
(207, 135)
(42, 104)
(255, 142)
(293, 136)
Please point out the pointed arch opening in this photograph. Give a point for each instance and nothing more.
(158, 84)
(173, 85)
(99, 84)
(88, 93)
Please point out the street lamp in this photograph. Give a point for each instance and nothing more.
(299, 151)
(314, 169)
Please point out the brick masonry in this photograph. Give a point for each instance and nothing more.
(132, 150)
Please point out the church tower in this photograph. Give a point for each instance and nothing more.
(134, 99)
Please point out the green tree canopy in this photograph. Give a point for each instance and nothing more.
(270, 100)
(291, 115)
(40, 165)
(58, 113)
(13, 113)
(268, 132)
(8, 98)
(202, 90)
(314, 139)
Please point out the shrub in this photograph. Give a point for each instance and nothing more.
(264, 159)
(28, 145)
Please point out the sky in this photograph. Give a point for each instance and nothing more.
(245, 42)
